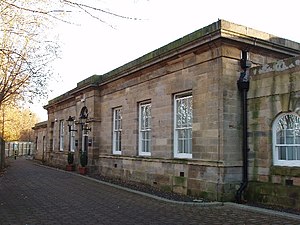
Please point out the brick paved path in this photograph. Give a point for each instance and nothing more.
(32, 194)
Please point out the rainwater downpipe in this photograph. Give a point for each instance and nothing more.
(243, 87)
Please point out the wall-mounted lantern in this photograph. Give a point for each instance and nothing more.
(71, 123)
(83, 120)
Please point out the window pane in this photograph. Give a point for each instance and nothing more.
(147, 146)
(115, 121)
(280, 137)
(180, 134)
(178, 114)
(184, 141)
(297, 150)
(181, 139)
(146, 126)
(144, 145)
(118, 141)
(282, 153)
(145, 117)
(297, 136)
(291, 153)
(149, 142)
(180, 146)
(148, 149)
(190, 141)
(289, 137)
(145, 141)
(118, 119)
(190, 110)
(142, 125)
(148, 116)
(184, 112)
(146, 135)
(186, 146)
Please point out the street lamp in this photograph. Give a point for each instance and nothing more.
(71, 123)
(83, 120)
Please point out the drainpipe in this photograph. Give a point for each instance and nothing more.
(243, 87)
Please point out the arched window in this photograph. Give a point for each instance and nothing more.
(286, 140)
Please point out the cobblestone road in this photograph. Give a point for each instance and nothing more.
(32, 194)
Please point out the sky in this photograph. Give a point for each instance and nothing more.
(91, 47)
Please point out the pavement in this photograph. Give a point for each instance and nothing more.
(34, 194)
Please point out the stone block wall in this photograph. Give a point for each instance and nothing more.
(211, 76)
(181, 176)
(274, 89)
(197, 72)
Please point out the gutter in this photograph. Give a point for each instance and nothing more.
(243, 87)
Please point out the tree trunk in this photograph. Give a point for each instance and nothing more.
(2, 153)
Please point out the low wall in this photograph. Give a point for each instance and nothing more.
(195, 178)
(274, 194)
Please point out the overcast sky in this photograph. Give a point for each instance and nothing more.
(96, 48)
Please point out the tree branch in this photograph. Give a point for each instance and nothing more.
(80, 5)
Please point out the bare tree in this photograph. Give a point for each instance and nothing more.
(58, 9)
(25, 50)
(25, 54)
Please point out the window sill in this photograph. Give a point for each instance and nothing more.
(287, 163)
(117, 153)
(183, 156)
(145, 154)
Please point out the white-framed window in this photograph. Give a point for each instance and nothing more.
(145, 129)
(44, 145)
(72, 136)
(117, 130)
(52, 136)
(183, 119)
(286, 140)
(61, 135)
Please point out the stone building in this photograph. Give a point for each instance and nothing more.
(39, 151)
(172, 118)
